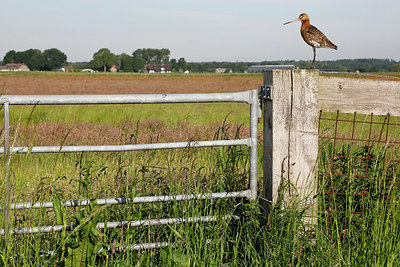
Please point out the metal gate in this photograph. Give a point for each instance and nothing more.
(250, 97)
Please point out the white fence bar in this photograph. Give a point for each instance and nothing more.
(254, 109)
(141, 246)
(123, 200)
(121, 148)
(6, 147)
(113, 225)
(249, 97)
(119, 248)
(6, 151)
(124, 99)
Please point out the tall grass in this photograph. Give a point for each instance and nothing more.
(361, 212)
(283, 238)
(91, 176)
(170, 114)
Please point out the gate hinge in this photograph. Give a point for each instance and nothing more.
(265, 92)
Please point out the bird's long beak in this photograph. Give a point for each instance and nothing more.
(291, 21)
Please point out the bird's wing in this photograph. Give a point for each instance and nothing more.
(316, 38)
(311, 33)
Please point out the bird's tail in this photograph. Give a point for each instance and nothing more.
(326, 43)
(332, 45)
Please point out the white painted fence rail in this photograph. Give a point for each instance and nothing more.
(245, 97)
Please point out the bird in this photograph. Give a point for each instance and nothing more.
(312, 36)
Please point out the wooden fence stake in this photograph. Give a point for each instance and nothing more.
(291, 132)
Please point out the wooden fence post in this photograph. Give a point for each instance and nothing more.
(290, 132)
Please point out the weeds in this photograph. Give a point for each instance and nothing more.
(282, 238)
(358, 218)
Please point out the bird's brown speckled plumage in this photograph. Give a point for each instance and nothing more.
(312, 36)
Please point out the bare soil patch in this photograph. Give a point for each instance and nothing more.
(43, 84)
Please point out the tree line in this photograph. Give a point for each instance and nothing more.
(104, 59)
(342, 65)
(49, 59)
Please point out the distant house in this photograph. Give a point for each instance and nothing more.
(14, 67)
(157, 68)
(222, 70)
(88, 70)
(65, 69)
(261, 68)
(68, 68)
(113, 68)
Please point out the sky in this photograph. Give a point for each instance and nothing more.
(202, 30)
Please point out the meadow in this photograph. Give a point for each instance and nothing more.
(251, 239)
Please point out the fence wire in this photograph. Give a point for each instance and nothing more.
(359, 167)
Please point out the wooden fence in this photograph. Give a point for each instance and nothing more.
(291, 120)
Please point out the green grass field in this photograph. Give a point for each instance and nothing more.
(281, 239)
(171, 114)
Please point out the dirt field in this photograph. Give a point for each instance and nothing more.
(18, 84)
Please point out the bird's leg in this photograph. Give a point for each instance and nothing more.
(313, 61)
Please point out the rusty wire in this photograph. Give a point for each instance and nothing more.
(358, 160)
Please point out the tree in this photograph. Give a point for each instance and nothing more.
(103, 59)
(395, 67)
(54, 59)
(152, 56)
(126, 63)
(341, 68)
(33, 58)
(138, 64)
(182, 64)
(163, 56)
(174, 64)
(10, 57)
